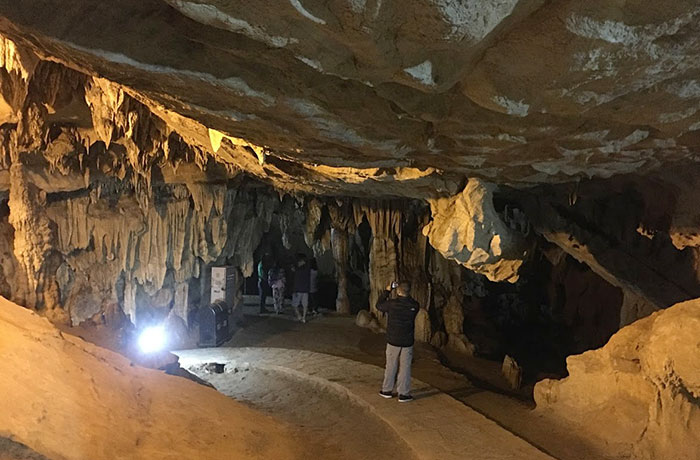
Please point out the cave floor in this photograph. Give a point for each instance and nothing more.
(483, 391)
(284, 382)
(480, 389)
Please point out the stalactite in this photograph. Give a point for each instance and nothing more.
(312, 227)
(171, 240)
(17, 60)
(104, 99)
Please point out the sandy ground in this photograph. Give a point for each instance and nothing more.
(327, 423)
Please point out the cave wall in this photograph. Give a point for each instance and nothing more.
(118, 201)
(633, 231)
(102, 249)
(105, 207)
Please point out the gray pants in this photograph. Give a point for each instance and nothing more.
(398, 359)
(303, 299)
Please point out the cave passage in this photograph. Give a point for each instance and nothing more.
(295, 204)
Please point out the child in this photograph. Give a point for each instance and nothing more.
(277, 280)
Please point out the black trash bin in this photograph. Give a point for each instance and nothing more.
(214, 324)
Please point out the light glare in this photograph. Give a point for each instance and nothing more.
(152, 339)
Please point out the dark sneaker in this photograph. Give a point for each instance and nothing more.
(386, 394)
(405, 398)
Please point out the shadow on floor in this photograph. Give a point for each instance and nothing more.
(427, 393)
(12, 450)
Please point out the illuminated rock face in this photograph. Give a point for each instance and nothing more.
(640, 392)
(466, 228)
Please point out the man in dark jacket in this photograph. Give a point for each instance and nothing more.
(401, 313)
(302, 281)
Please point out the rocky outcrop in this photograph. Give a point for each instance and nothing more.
(466, 228)
(640, 393)
(65, 398)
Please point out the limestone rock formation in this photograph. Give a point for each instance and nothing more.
(460, 344)
(628, 231)
(65, 398)
(512, 372)
(365, 319)
(318, 99)
(423, 331)
(32, 234)
(408, 96)
(143, 141)
(640, 393)
(467, 228)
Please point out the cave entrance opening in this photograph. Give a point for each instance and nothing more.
(289, 236)
(282, 244)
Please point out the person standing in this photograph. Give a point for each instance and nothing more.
(277, 281)
(263, 287)
(302, 281)
(313, 286)
(402, 312)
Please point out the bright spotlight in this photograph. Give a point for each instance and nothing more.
(152, 339)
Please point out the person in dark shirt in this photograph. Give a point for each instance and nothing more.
(313, 286)
(302, 282)
(263, 286)
(401, 312)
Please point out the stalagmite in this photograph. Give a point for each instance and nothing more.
(32, 234)
(342, 224)
(339, 243)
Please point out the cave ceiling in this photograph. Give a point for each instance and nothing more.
(377, 97)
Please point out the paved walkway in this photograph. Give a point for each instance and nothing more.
(435, 425)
